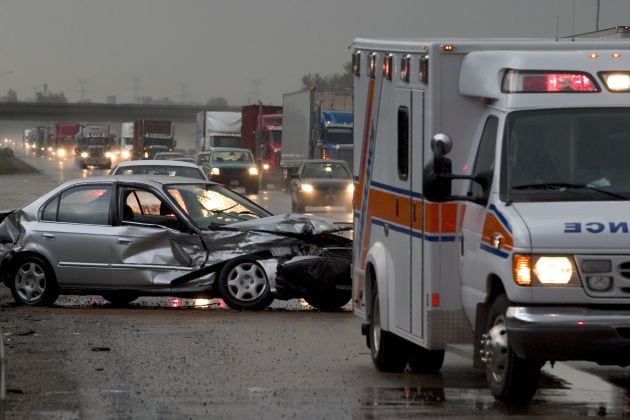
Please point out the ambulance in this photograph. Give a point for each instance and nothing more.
(492, 204)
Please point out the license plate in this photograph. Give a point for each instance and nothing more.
(234, 182)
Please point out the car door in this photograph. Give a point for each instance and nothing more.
(153, 244)
(75, 234)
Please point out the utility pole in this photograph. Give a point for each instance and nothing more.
(257, 84)
(184, 95)
(136, 83)
(597, 17)
(82, 89)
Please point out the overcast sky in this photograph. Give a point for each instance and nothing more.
(241, 49)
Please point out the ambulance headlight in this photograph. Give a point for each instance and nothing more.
(544, 270)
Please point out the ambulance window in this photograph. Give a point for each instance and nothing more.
(403, 143)
(484, 162)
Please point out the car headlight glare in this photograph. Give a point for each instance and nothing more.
(215, 171)
(350, 188)
(109, 155)
(253, 170)
(125, 154)
(84, 155)
(307, 188)
(61, 152)
(266, 166)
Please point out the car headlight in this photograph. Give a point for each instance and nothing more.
(350, 188)
(253, 170)
(84, 155)
(125, 154)
(307, 188)
(544, 270)
(215, 171)
(109, 155)
(61, 152)
(266, 166)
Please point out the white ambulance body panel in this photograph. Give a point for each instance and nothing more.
(542, 250)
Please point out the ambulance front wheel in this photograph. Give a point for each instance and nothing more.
(389, 352)
(510, 378)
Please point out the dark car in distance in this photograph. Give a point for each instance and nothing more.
(321, 183)
(231, 166)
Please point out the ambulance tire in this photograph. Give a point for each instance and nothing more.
(510, 378)
(389, 352)
(422, 360)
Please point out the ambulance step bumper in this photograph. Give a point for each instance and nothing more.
(570, 333)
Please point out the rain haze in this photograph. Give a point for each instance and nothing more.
(242, 50)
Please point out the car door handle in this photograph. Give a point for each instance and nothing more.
(124, 241)
(48, 235)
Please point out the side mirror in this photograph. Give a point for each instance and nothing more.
(437, 175)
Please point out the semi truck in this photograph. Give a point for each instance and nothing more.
(316, 124)
(65, 139)
(261, 132)
(491, 204)
(151, 137)
(218, 129)
(126, 141)
(94, 146)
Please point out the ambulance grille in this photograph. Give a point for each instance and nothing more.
(624, 270)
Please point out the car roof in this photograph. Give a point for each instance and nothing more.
(157, 162)
(324, 161)
(154, 180)
(225, 149)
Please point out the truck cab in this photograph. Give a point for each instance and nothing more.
(491, 203)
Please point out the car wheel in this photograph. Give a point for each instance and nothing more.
(422, 360)
(389, 352)
(510, 378)
(33, 282)
(329, 300)
(243, 285)
(120, 298)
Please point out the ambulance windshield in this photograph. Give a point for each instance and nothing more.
(566, 155)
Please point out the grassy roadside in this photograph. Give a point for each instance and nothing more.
(10, 165)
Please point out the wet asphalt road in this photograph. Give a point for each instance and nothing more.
(166, 358)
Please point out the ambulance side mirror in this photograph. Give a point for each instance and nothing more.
(438, 171)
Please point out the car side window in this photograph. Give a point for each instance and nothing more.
(484, 162)
(143, 206)
(83, 204)
(49, 212)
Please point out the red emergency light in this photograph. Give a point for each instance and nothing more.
(518, 81)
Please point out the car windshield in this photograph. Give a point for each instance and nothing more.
(211, 205)
(326, 170)
(232, 157)
(567, 155)
(160, 170)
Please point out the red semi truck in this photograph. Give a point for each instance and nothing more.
(151, 137)
(261, 132)
(65, 139)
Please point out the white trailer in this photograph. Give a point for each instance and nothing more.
(218, 129)
(517, 241)
(126, 140)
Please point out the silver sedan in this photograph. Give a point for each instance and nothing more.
(128, 236)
